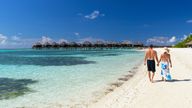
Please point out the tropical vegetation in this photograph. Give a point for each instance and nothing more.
(183, 43)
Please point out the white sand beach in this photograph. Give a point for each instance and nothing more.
(138, 92)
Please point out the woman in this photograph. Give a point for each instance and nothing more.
(165, 60)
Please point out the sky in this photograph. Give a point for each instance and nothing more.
(23, 22)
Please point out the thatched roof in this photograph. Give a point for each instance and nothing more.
(112, 42)
(126, 42)
(87, 43)
(47, 43)
(73, 44)
(55, 43)
(63, 43)
(138, 43)
(99, 42)
(37, 43)
(189, 43)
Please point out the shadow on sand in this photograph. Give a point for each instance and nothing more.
(174, 80)
(11, 88)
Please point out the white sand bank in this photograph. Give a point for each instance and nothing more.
(138, 92)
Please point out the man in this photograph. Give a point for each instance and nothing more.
(150, 57)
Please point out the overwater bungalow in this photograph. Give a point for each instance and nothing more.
(63, 44)
(126, 44)
(37, 45)
(138, 44)
(74, 44)
(99, 44)
(87, 44)
(55, 45)
(111, 44)
(47, 45)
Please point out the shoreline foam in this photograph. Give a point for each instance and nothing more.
(134, 75)
(110, 88)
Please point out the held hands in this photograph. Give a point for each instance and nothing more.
(144, 63)
(171, 65)
(157, 64)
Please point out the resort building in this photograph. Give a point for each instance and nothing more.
(189, 44)
(87, 44)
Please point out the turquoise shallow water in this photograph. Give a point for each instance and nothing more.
(54, 78)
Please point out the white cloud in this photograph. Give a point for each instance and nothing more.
(2, 39)
(79, 14)
(172, 39)
(63, 40)
(19, 33)
(102, 15)
(161, 40)
(15, 38)
(15, 42)
(189, 21)
(157, 40)
(95, 14)
(45, 40)
(76, 34)
(184, 37)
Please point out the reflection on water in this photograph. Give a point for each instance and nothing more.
(11, 88)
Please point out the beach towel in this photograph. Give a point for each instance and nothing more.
(165, 72)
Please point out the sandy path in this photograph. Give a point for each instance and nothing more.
(140, 93)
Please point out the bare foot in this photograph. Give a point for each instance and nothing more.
(162, 79)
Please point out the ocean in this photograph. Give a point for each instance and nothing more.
(54, 78)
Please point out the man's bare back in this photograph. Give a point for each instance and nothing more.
(151, 54)
(165, 57)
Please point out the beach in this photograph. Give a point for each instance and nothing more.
(138, 92)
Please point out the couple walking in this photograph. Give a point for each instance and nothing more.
(165, 60)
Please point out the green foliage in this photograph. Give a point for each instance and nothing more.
(182, 44)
